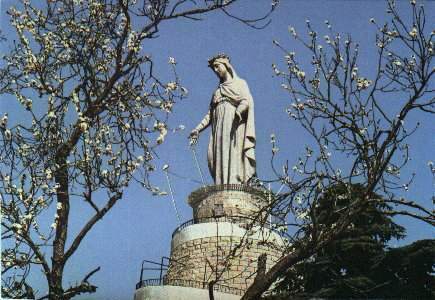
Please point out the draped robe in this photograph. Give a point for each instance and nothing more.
(231, 150)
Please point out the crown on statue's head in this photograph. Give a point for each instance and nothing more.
(221, 57)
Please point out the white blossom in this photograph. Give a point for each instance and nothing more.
(8, 134)
(4, 121)
(48, 174)
(172, 61)
(125, 126)
(272, 138)
(51, 115)
(292, 31)
(184, 90)
(363, 83)
(17, 226)
(84, 126)
(413, 33)
(301, 74)
(171, 86)
(161, 127)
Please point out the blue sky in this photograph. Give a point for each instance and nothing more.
(140, 226)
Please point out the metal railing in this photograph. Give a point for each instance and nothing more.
(162, 268)
(204, 285)
(231, 219)
(204, 191)
(149, 282)
(189, 283)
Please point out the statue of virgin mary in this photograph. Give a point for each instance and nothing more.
(231, 150)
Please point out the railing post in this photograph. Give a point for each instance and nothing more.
(161, 271)
(141, 273)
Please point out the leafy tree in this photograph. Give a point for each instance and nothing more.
(343, 267)
(362, 119)
(358, 263)
(95, 111)
(408, 271)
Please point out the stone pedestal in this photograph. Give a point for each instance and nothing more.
(222, 243)
(227, 200)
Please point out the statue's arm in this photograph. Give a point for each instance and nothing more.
(194, 134)
(242, 108)
(204, 123)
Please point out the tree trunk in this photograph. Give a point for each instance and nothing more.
(211, 290)
(55, 289)
(58, 259)
(263, 282)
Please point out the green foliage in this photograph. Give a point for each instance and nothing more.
(358, 263)
(410, 270)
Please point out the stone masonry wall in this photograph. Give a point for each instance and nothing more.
(196, 261)
(227, 200)
(210, 248)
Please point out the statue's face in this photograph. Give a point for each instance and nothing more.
(220, 70)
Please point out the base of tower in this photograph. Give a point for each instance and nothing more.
(165, 292)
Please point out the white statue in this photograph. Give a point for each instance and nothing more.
(231, 151)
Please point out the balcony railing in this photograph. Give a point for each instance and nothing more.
(149, 282)
(189, 283)
(230, 219)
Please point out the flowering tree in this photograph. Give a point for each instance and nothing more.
(355, 118)
(95, 113)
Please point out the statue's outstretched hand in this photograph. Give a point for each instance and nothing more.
(194, 135)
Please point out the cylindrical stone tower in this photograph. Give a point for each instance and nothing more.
(221, 244)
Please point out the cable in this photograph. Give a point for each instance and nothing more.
(165, 168)
(197, 164)
(184, 177)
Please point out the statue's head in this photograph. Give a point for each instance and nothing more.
(221, 65)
